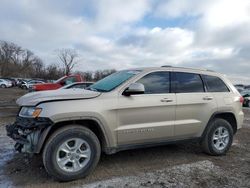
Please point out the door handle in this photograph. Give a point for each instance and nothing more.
(166, 100)
(207, 98)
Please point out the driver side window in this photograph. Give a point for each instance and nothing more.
(156, 82)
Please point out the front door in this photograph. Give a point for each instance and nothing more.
(148, 117)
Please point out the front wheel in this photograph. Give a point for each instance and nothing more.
(218, 137)
(71, 153)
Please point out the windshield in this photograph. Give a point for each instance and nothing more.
(114, 80)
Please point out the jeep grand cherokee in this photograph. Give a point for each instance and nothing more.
(128, 109)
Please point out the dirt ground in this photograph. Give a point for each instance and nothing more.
(181, 165)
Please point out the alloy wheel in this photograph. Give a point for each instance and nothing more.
(73, 155)
(220, 138)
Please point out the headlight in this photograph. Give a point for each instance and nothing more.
(30, 112)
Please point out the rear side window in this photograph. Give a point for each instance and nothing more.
(156, 82)
(214, 84)
(188, 83)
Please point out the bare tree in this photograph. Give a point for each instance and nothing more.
(9, 54)
(68, 58)
(16, 61)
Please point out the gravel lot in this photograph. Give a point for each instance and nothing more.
(182, 165)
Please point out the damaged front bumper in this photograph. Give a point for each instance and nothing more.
(29, 133)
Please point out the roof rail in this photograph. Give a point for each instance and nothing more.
(202, 69)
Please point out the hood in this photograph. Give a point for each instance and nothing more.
(32, 99)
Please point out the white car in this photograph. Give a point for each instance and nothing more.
(29, 84)
(5, 83)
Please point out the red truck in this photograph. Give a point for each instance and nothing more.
(57, 84)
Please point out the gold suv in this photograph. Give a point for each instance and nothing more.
(128, 109)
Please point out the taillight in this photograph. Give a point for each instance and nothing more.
(241, 100)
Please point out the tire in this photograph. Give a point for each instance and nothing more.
(3, 86)
(212, 143)
(52, 152)
(248, 103)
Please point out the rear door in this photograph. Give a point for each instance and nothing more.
(194, 105)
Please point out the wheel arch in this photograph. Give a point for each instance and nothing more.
(91, 124)
(228, 116)
(3, 85)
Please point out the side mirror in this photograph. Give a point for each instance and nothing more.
(134, 88)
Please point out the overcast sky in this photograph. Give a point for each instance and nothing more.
(213, 34)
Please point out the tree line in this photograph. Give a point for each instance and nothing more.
(18, 62)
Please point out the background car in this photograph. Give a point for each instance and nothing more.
(65, 80)
(247, 87)
(79, 85)
(30, 83)
(246, 95)
(11, 80)
(5, 83)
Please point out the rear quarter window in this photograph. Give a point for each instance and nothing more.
(214, 84)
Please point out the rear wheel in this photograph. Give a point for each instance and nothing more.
(71, 153)
(218, 137)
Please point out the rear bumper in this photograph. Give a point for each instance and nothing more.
(29, 133)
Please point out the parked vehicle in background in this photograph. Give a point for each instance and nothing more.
(19, 82)
(12, 81)
(23, 84)
(239, 86)
(246, 96)
(5, 83)
(66, 80)
(247, 87)
(128, 109)
(31, 83)
(78, 85)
